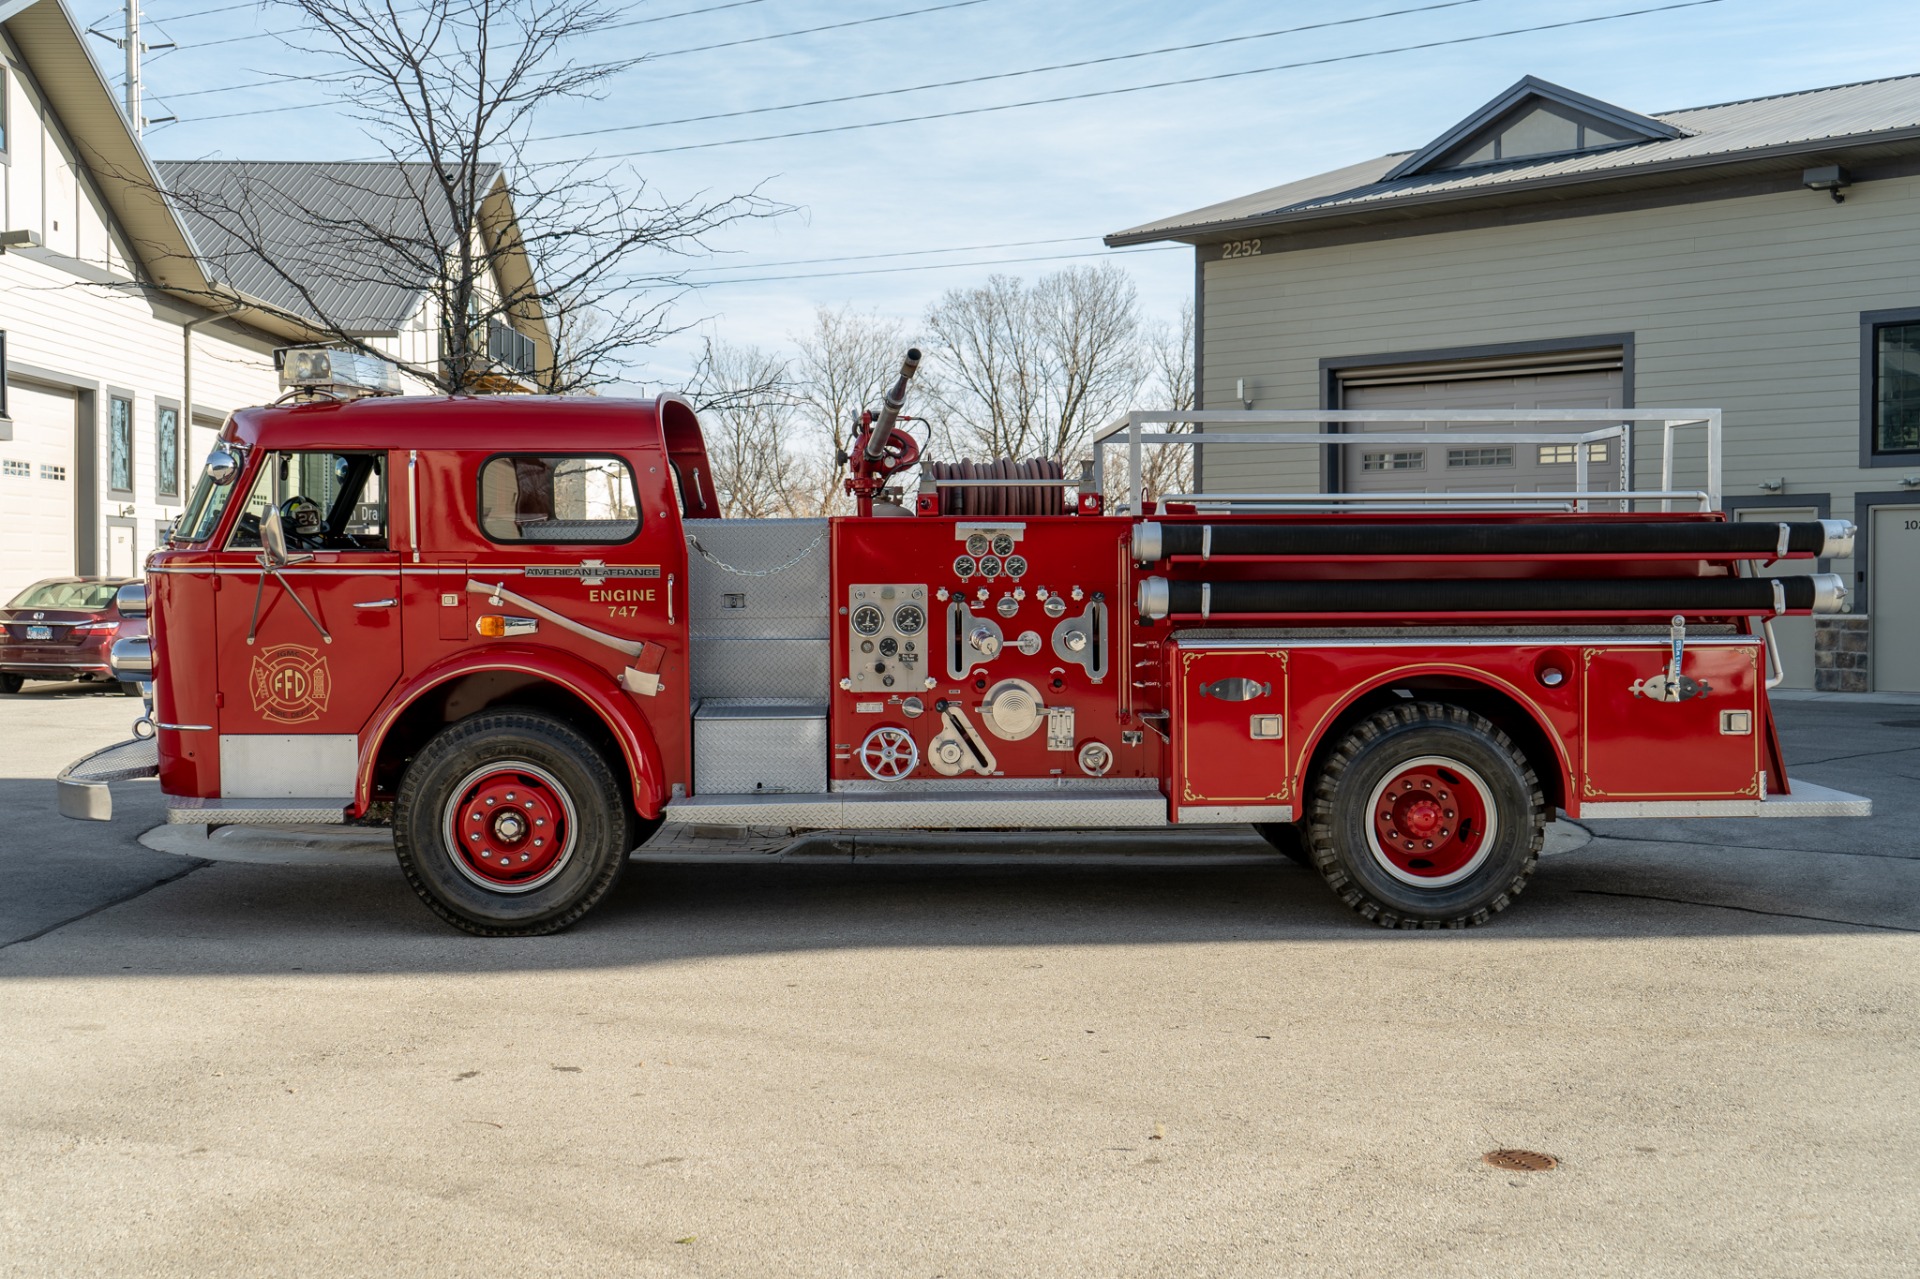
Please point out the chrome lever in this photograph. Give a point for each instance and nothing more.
(376, 604)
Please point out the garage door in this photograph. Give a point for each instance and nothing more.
(1479, 468)
(37, 487)
(1893, 581)
(1794, 633)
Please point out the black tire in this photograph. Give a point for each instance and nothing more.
(1450, 746)
(129, 688)
(1289, 840)
(11, 683)
(573, 784)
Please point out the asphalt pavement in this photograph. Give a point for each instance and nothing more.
(816, 1067)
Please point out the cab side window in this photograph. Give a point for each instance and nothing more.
(544, 498)
(328, 501)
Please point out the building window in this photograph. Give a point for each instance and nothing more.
(1896, 388)
(1499, 456)
(1562, 454)
(166, 430)
(120, 445)
(3, 332)
(1414, 461)
(1544, 130)
(3, 116)
(57, 474)
(509, 348)
(16, 470)
(558, 499)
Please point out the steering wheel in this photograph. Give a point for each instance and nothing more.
(897, 454)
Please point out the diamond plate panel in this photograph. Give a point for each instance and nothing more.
(188, 811)
(760, 668)
(744, 750)
(123, 761)
(755, 547)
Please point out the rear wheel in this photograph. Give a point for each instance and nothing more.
(1427, 816)
(130, 688)
(11, 683)
(511, 824)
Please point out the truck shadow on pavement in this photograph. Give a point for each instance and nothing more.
(233, 919)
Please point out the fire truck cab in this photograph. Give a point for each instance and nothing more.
(520, 630)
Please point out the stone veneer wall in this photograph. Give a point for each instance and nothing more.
(1840, 654)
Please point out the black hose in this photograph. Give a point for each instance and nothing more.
(1706, 539)
(1661, 596)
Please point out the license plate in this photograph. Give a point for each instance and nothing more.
(39, 632)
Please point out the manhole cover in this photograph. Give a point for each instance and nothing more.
(1520, 1160)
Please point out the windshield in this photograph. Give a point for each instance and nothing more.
(204, 509)
(76, 595)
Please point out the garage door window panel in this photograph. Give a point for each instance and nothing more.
(166, 443)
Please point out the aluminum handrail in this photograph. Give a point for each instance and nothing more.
(1609, 424)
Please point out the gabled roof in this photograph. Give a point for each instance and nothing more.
(1529, 93)
(369, 281)
(1756, 131)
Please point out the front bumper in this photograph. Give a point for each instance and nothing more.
(83, 783)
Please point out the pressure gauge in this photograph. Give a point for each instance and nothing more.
(990, 566)
(978, 544)
(867, 619)
(963, 567)
(908, 619)
(1016, 566)
(1003, 544)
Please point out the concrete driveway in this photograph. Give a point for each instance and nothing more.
(798, 1069)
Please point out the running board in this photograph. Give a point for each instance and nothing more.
(315, 811)
(1807, 800)
(925, 810)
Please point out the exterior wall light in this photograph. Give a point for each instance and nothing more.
(1830, 178)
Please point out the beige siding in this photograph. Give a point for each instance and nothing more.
(1751, 305)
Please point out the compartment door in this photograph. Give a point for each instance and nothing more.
(1635, 748)
(1229, 736)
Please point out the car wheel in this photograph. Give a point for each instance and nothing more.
(1427, 816)
(511, 824)
(11, 683)
(130, 688)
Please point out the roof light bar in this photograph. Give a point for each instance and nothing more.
(337, 371)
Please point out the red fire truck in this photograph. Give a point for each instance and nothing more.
(519, 629)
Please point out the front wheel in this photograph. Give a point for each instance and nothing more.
(511, 824)
(1427, 816)
(11, 683)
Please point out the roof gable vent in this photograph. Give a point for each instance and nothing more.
(1530, 121)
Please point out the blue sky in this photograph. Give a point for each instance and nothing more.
(1065, 172)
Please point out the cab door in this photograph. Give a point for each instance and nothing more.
(306, 655)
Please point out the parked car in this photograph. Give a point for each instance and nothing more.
(61, 629)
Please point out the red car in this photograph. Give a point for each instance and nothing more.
(61, 629)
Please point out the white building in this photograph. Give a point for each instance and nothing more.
(116, 372)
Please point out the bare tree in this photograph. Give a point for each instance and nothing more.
(506, 249)
(845, 363)
(748, 409)
(1030, 371)
(1168, 468)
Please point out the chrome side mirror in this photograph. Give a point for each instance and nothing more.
(222, 466)
(273, 536)
(132, 599)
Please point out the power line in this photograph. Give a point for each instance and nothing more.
(700, 48)
(1009, 75)
(1160, 84)
(874, 257)
(202, 13)
(944, 266)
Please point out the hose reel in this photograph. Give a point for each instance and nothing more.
(1017, 495)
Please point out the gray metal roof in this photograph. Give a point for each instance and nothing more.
(1871, 111)
(360, 241)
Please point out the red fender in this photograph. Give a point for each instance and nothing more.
(589, 683)
(1541, 719)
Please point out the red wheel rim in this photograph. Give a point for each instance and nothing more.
(1431, 822)
(510, 827)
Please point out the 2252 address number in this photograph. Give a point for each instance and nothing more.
(1240, 249)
